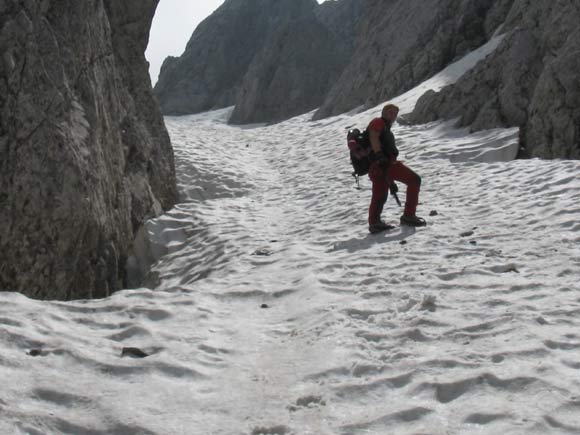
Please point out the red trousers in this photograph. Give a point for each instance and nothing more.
(382, 177)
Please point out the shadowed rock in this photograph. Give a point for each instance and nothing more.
(402, 43)
(291, 75)
(210, 72)
(84, 155)
(271, 59)
(531, 81)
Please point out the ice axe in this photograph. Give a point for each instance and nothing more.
(394, 189)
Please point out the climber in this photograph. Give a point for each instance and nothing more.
(385, 168)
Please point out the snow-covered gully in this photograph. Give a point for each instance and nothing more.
(275, 312)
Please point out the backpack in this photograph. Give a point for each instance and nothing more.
(359, 146)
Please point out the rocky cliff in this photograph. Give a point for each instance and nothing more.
(209, 74)
(342, 19)
(298, 64)
(291, 74)
(403, 42)
(531, 81)
(84, 155)
(271, 59)
(344, 54)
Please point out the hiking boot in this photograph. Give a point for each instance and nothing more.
(413, 221)
(380, 226)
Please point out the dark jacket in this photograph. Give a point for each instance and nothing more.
(386, 137)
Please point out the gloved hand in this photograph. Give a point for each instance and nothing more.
(381, 159)
(393, 188)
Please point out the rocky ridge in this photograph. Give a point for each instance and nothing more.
(271, 59)
(297, 66)
(401, 43)
(531, 81)
(361, 53)
(210, 72)
(85, 157)
(291, 74)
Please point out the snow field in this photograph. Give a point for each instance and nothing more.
(275, 312)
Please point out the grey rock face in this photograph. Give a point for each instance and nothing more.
(210, 72)
(291, 75)
(84, 155)
(342, 19)
(531, 81)
(298, 65)
(403, 42)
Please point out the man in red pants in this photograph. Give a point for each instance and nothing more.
(385, 168)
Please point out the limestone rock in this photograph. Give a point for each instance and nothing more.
(84, 155)
(401, 43)
(210, 72)
(298, 65)
(342, 19)
(291, 74)
(531, 81)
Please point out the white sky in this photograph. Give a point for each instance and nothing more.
(173, 25)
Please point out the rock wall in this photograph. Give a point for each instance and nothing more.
(84, 156)
(531, 81)
(291, 74)
(342, 18)
(296, 67)
(209, 74)
(403, 42)
(272, 72)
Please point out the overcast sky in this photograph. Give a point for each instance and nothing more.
(174, 22)
(173, 25)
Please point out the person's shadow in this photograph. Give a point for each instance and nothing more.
(397, 234)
